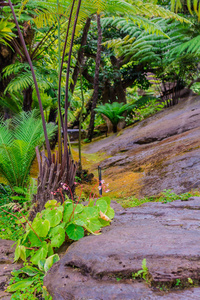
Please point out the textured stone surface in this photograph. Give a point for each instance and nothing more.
(167, 235)
(6, 266)
(162, 152)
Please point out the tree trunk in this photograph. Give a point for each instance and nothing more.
(7, 57)
(80, 57)
(114, 128)
(96, 79)
(28, 99)
(52, 114)
(120, 92)
(50, 181)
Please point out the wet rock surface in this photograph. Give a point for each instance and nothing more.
(163, 152)
(6, 266)
(101, 267)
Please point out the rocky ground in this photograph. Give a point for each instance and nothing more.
(6, 266)
(101, 267)
(161, 152)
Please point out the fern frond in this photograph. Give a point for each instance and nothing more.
(191, 46)
(13, 102)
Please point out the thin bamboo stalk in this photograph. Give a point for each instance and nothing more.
(67, 86)
(61, 65)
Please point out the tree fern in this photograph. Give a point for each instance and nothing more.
(192, 46)
(139, 45)
(24, 79)
(114, 112)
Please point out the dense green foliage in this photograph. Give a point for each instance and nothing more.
(114, 112)
(18, 140)
(147, 49)
(56, 222)
(27, 284)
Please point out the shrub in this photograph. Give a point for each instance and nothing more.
(17, 146)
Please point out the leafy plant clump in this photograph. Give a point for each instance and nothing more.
(27, 283)
(18, 140)
(114, 112)
(143, 273)
(12, 204)
(60, 222)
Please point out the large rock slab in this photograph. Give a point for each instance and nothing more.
(161, 152)
(167, 235)
(6, 266)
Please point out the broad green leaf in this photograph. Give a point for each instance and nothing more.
(41, 227)
(78, 208)
(23, 253)
(91, 212)
(91, 203)
(104, 223)
(23, 283)
(50, 261)
(57, 236)
(50, 250)
(68, 210)
(41, 264)
(110, 213)
(51, 203)
(63, 224)
(40, 254)
(93, 224)
(34, 240)
(79, 222)
(17, 251)
(20, 252)
(107, 199)
(102, 205)
(30, 271)
(75, 232)
(54, 216)
(16, 272)
(60, 208)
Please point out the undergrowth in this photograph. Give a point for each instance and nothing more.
(164, 197)
(27, 284)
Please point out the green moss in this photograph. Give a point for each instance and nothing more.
(164, 197)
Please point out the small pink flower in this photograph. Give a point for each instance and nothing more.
(52, 193)
(107, 191)
(75, 183)
(15, 208)
(3, 229)
(62, 183)
(65, 188)
(102, 181)
(100, 188)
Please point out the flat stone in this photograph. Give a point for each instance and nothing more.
(166, 235)
(163, 149)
